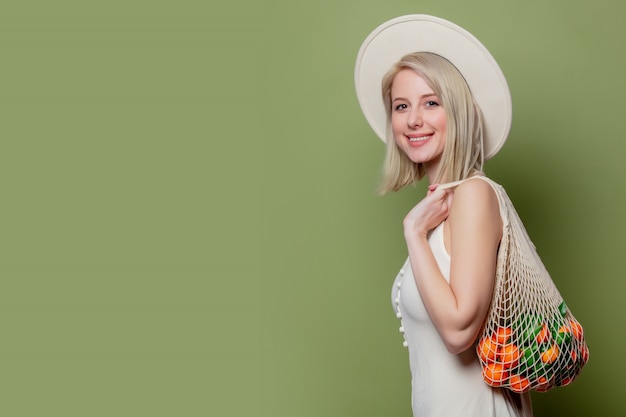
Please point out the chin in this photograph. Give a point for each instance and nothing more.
(418, 159)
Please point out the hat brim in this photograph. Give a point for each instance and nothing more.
(423, 33)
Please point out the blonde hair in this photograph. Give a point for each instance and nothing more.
(463, 150)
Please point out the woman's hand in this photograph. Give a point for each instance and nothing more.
(428, 213)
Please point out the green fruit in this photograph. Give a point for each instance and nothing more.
(528, 327)
(529, 360)
(556, 326)
(563, 337)
(544, 370)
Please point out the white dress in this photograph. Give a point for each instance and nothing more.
(445, 384)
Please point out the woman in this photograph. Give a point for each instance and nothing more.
(445, 108)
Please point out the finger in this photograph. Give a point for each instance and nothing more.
(439, 194)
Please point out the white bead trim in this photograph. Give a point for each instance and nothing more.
(398, 314)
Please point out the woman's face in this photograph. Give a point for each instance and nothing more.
(418, 120)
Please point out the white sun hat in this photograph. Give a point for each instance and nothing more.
(423, 33)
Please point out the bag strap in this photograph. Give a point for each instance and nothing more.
(454, 184)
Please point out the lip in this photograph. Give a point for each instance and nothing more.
(423, 138)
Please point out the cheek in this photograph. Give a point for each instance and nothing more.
(443, 129)
(441, 121)
(440, 124)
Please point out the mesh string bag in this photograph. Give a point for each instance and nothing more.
(530, 339)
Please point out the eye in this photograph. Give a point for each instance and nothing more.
(400, 107)
(431, 103)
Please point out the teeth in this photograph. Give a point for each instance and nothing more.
(420, 139)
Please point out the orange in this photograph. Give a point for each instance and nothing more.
(563, 335)
(503, 334)
(519, 383)
(577, 329)
(509, 355)
(495, 374)
(544, 334)
(487, 349)
(544, 384)
(550, 355)
(564, 329)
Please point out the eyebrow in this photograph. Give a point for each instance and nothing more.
(421, 97)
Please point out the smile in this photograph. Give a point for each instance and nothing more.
(420, 138)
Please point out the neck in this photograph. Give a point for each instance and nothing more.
(432, 173)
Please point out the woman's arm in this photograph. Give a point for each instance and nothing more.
(457, 309)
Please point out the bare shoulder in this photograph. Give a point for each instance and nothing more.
(475, 199)
(475, 189)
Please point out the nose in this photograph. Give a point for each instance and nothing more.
(415, 118)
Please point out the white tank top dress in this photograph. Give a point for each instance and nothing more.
(445, 384)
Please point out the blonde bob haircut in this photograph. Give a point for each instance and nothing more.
(463, 152)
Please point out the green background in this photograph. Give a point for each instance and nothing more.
(188, 219)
